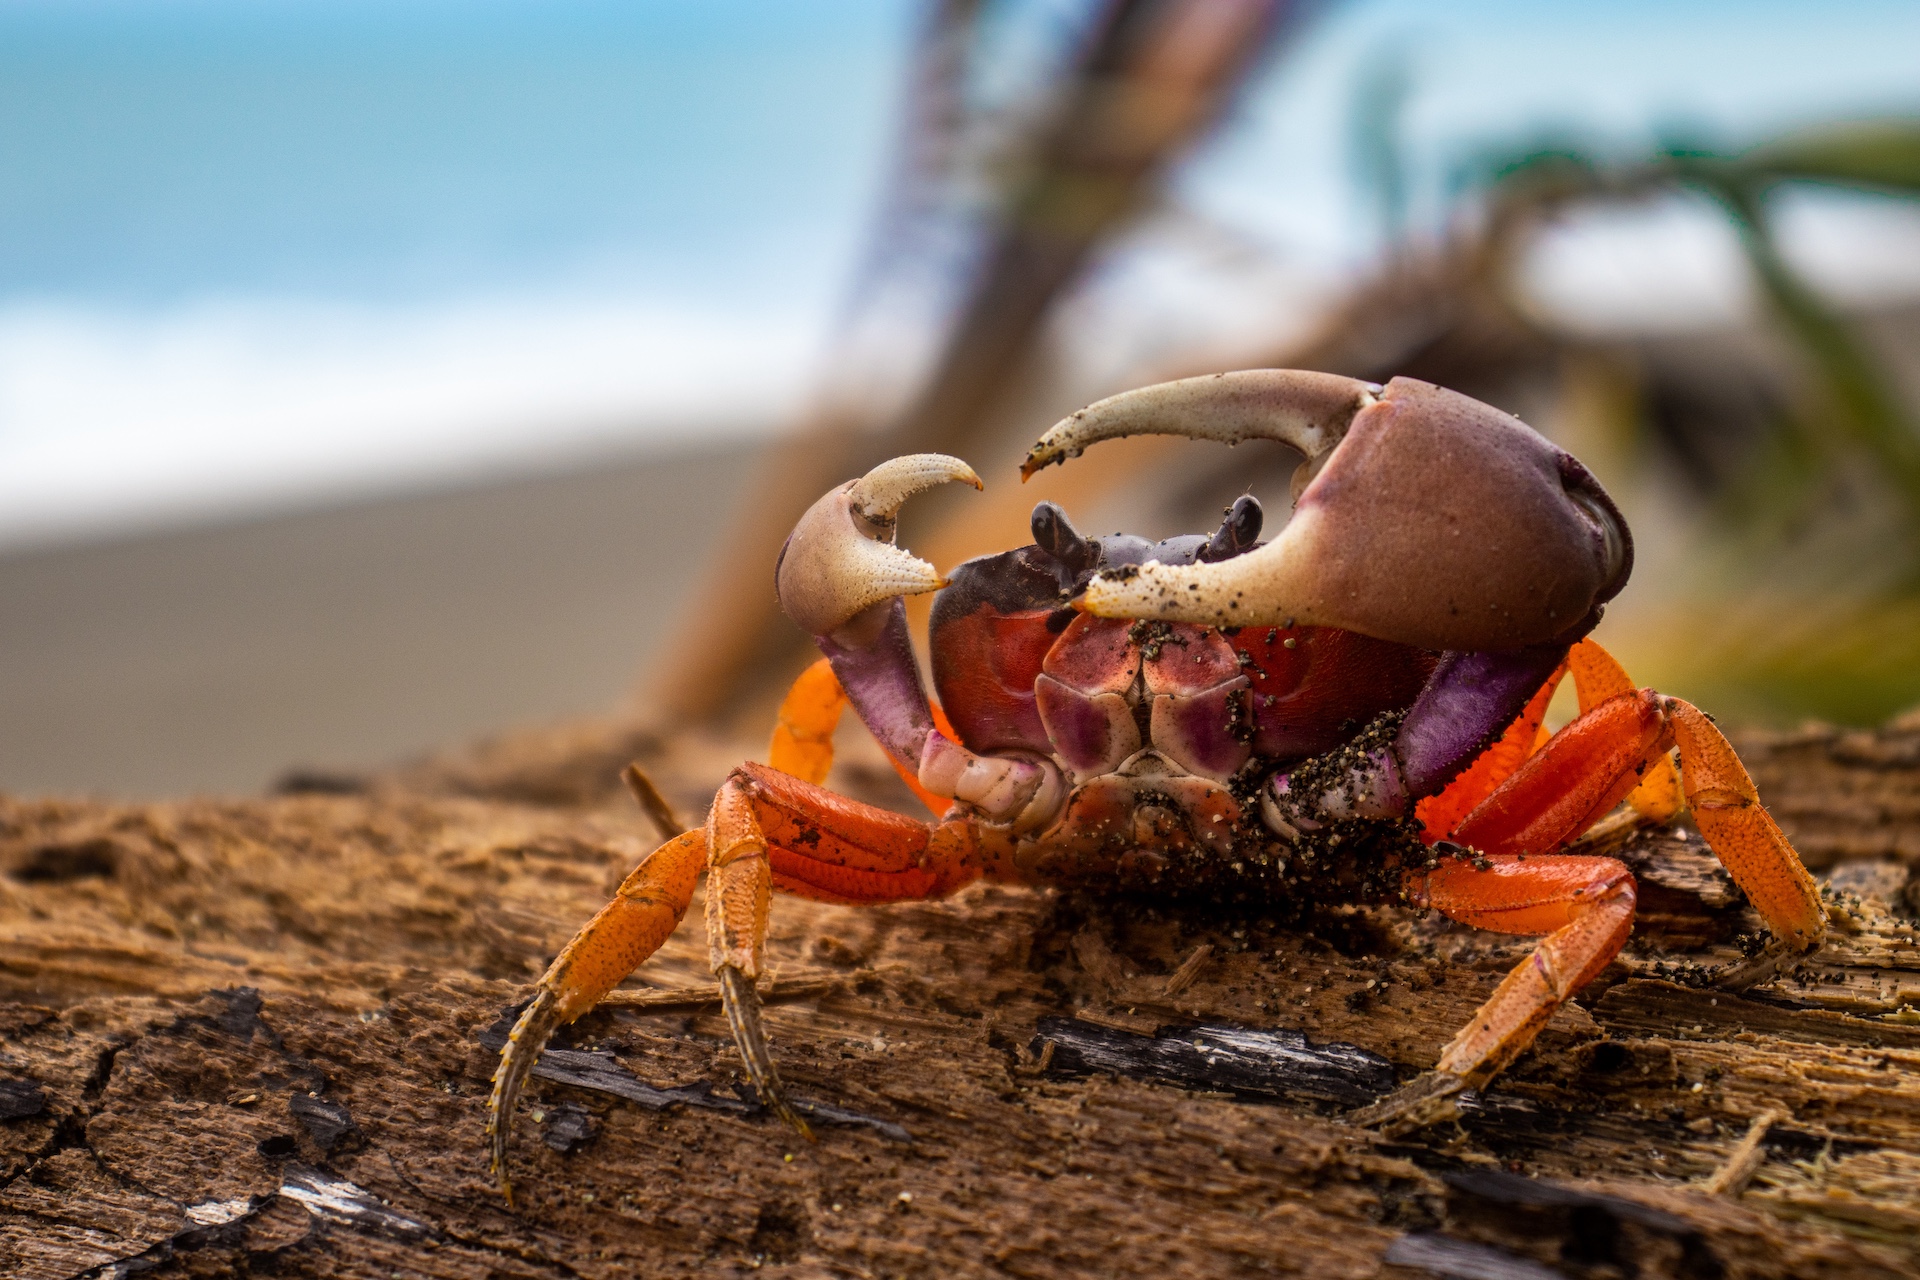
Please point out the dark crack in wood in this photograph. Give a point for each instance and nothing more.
(1432, 1254)
(601, 1072)
(1278, 1064)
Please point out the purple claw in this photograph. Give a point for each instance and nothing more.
(841, 578)
(1423, 517)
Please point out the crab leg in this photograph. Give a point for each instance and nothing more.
(803, 731)
(1559, 791)
(769, 829)
(1583, 905)
(766, 830)
(643, 914)
(1596, 761)
(1744, 836)
(1597, 676)
(652, 900)
(1571, 782)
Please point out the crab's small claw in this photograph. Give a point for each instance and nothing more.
(1421, 516)
(840, 559)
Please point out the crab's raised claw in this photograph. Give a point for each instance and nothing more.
(1426, 517)
(1309, 411)
(840, 560)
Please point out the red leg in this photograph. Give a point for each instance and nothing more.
(1569, 784)
(822, 845)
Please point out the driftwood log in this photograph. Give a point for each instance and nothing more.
(255, 1036)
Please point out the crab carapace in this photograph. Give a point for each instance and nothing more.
(1352, 710)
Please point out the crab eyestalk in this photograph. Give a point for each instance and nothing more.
(1421, 516)
(840, 560)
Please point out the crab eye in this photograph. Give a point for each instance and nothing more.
(1238, 532)
(1054, 534)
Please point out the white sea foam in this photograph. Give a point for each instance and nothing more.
(111, 420)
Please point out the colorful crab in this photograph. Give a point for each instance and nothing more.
(1351, 711)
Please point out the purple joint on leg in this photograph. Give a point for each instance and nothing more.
(882, 680)
(1469, 699)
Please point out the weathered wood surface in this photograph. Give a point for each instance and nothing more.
(250, 1037)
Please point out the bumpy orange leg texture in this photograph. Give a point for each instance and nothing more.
(803, 730)
(643, 913)
(766, 828)
(1755, 852)
(1583, 905)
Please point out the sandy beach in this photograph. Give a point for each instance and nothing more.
(214, 659)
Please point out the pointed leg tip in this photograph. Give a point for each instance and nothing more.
(797, 1123)
(518, 1057)
(1428, 1099)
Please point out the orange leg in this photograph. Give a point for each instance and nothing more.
(767, 829)
(1514, 882)
(1604, 756)
(644, 912)
(803, 730)
(1583, 905)
(1744, 836)
(1596, 678)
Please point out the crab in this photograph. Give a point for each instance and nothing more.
(1349, 712)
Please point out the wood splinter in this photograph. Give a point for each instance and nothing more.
(1731, 1178)
(703, 999)
(1183, 977)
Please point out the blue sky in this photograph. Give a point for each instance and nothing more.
(157, 150)
(262, 250)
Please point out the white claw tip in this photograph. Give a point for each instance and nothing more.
(840, 559)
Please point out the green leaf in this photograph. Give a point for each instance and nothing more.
(1881, 155)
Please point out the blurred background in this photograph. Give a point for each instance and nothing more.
(378, 375)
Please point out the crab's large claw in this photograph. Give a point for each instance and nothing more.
(1421, 516)
(840, 560)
